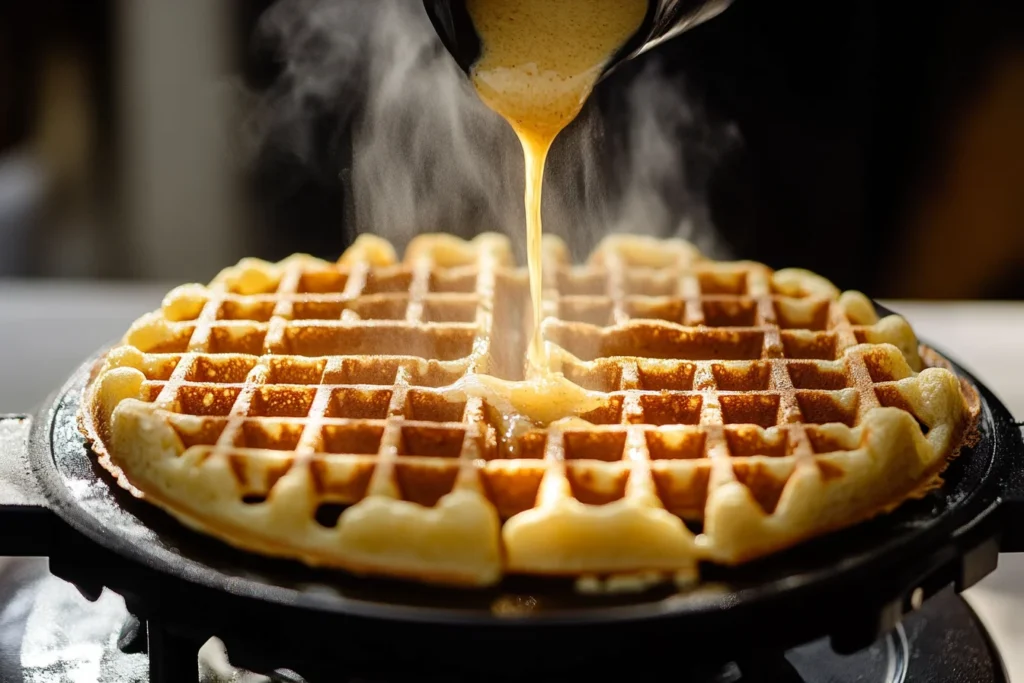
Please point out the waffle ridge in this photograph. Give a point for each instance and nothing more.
(318, 410)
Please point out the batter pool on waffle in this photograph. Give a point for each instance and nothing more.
(373, 414)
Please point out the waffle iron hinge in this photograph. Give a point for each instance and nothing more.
(26, 522)
(878, 609)
(958, 566)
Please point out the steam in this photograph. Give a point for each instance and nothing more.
(427, 155)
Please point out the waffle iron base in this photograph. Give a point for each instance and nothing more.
(852, 586)
(943, 642)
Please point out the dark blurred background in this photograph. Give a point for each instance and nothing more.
(882, 142)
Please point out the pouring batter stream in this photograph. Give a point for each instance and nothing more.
(540, 61)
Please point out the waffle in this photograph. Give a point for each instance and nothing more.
(330, 412)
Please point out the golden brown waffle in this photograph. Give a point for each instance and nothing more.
(327, 411)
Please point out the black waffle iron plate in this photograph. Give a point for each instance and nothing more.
(852, 586)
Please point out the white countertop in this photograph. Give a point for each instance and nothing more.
(46, 329)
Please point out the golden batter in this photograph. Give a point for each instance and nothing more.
(540, 60)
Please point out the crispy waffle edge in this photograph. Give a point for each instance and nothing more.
(243, 536)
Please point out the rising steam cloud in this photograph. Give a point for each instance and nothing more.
(427, 155)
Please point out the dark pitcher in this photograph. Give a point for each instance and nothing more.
(665, 19)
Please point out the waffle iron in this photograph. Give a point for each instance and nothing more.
(852, 586)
